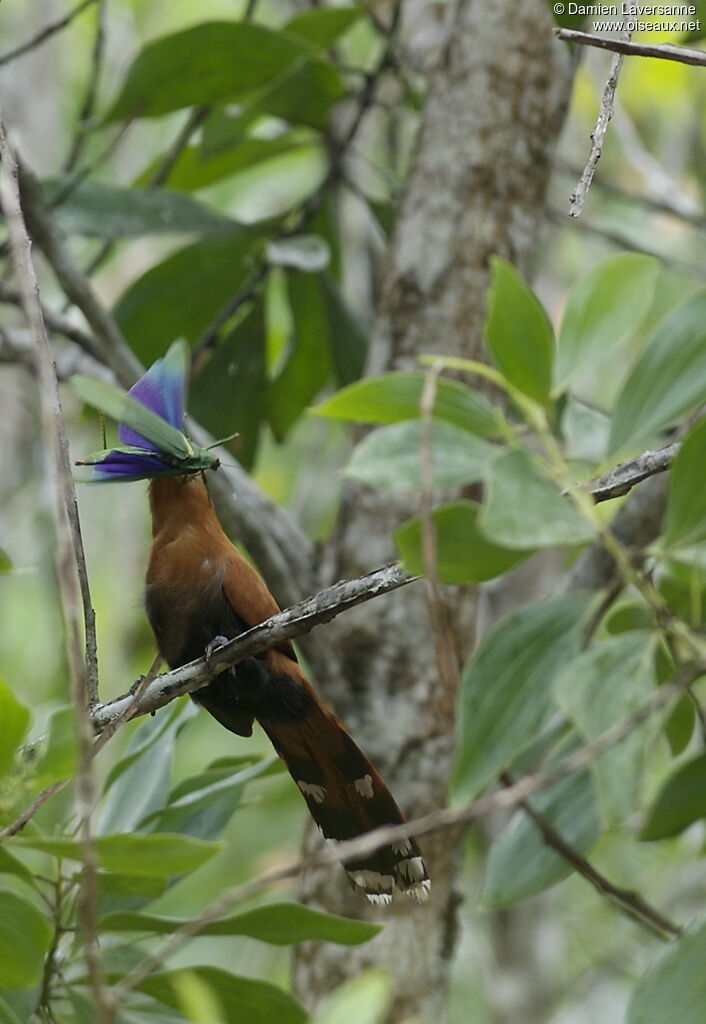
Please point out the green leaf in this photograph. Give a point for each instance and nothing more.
(389, 457)
(506, 687)
(518, 332)
(521, 864)
(364, 999)
(308, 364)
(280, 924)
(604, 309)
(603, 684)
(11, 865)
(14, 721)
(140, 782)
(125, 890)
(162, 854)
(323, 25)
(107, 211)
(686, 504)
(5, 561)
(230, 393)
(201, 65)
(524, 509)
(679, 724)
(349, 336)
(675, 987)
(303, 94)
(680, 801)
(179, 297)
(243, 1000)
(463, 553)
(396, 396)
(668, 380)
(203, 804)
(58, 757)
(25, 935)
(196, 168)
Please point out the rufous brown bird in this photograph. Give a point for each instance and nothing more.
(200, 592)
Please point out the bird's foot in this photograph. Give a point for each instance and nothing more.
(212, 647)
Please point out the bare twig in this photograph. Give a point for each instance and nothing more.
(88, 169)
(509, 798)
(635, 526)
(627, 900)
(31, 809)
(153, 693)
(666, 51)
(691, 214)
(578, 196)
(56, 323)
(89, 99)
(622, 478)
(46, 33)
(160, 175)
(286, 625)
(237, 300)
(446, 659)
(70, 558)
(114, 350)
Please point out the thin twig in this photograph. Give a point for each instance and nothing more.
(31, 809)
(70, 559)
(509, 798)
(446, 659)
(693, 216)
(578, 196)
(56, 323)
(160, 175)
(46, 33)
(627, 900)
(114, 350)
(286, 625)
(153, 693)
(90, 168)
(89, 99)
(622, 478)
(665, 51)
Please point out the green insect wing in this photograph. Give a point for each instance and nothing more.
(125, 409)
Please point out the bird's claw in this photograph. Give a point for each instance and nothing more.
(212, 647)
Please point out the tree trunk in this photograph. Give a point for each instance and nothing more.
(495, 106)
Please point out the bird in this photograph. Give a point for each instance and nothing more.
(201, 592)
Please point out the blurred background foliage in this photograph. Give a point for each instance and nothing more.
(260, 197)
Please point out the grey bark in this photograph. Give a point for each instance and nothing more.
(494, 109)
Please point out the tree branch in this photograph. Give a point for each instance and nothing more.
(286, 625)
(70, 558)
(578, 196)
(46, 33)
(56, 323)
(666, 51)
(114, 350)
(627, 900)
(622, 478)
